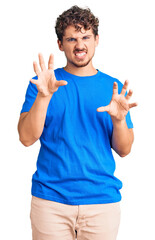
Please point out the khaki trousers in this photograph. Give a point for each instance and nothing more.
(56, 221)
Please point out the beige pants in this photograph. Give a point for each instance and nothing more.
(56, 221)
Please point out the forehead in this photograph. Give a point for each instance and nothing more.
(71, 31)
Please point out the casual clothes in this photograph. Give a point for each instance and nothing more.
(57, 221)
(75, 164)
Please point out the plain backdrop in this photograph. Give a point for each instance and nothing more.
(126, 51)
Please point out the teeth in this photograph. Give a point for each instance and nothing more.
(80, 54)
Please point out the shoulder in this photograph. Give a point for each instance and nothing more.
(109, 77)
(58, 73)
(109, 80)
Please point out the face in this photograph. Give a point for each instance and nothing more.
(78, 46)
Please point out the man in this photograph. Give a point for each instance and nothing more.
(79, 114)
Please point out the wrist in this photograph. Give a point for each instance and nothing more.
(45, 96)
(44, 99)
(118, 122)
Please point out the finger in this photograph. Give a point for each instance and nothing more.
(103, 109)
(33, 81)
(51, 62)
(61, 83)
(128, 96)
(115, 88)
(125, 86)
(41, 62)
(36, 69)
(131, 105)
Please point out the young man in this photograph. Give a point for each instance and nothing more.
(79, 114)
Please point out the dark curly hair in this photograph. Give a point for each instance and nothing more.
(77, 17)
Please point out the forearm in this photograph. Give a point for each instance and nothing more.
(122, 137)
(31, 126)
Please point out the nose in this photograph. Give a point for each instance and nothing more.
(79, 43)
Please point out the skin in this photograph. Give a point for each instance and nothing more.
(79, 42)
(31, 123)
(118, 108)
(79, 49)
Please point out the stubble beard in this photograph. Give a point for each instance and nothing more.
(79, 65)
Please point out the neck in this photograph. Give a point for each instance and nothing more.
(88, 70)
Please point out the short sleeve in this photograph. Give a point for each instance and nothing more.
(128, 120)
(128, 116)
(31, 94)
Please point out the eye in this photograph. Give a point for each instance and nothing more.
(71, 39)
(86, 37)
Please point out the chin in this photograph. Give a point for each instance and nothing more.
(80, 64)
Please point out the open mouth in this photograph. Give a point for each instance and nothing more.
(80, 54)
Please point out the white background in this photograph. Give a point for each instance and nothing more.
(126, 51)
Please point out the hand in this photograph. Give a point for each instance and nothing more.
(119, 104)
(46, 83)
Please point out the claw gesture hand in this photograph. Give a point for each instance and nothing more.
(119, 104)
(46, 83)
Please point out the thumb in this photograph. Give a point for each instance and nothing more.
(61, 83)
(33, 81)
(103, 109)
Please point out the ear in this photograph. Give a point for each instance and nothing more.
(96, 40)
(60, 45)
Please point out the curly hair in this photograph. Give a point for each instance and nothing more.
(77, 17)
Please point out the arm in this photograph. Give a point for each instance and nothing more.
(31, 123)
(122, 137)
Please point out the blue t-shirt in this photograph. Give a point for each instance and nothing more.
(75, 164)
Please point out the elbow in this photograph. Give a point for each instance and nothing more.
(122, 155)
(26, 142)
(125, 153)
(122, 151)
(25, 137)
